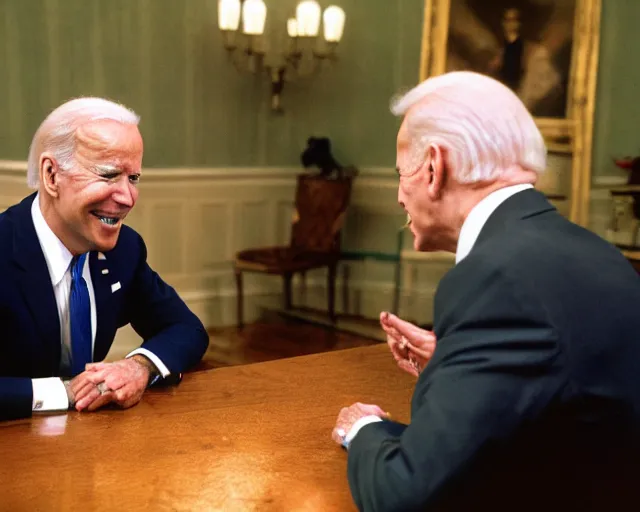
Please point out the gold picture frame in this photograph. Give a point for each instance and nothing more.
(571, 131)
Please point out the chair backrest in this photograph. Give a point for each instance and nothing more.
(321, 206)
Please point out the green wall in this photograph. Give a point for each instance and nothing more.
(164, 59)
(617, 123)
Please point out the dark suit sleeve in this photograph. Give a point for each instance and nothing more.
(165, 323)
(495, 365)
(16, 398)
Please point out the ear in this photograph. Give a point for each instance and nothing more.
(49, 174)
(437, 173)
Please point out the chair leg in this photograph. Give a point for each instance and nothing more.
(239, 298)
(286, 281)
(303, 287)
(345, 289)
(331, 287)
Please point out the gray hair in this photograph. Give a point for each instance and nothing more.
(482, 124)
(57, 131)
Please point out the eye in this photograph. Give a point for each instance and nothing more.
(111, 175)
(134, 178)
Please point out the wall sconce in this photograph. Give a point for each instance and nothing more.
(302, 31)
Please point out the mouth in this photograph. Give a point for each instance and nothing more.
(108, 219)
(408, 223)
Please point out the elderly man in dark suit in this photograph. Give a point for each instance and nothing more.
(531, 398)
(72, 273)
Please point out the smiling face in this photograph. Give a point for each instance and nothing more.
(86, 204)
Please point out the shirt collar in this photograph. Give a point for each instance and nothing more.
(56, 254)
(479, 215)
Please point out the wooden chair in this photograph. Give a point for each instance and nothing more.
(320, 208)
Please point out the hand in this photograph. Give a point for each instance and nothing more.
(122, 382)
(78, 387)
(411, 346)
(349, 415)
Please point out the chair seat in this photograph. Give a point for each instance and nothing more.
(277, 260)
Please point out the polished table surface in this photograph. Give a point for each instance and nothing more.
(254, 437)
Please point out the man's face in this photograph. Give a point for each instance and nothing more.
(413, 192)
(96, 195)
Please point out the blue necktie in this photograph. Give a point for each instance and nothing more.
(80, 312)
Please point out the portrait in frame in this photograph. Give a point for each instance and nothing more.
(546, 51)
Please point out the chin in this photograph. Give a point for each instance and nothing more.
(105, 244)
(424, 243)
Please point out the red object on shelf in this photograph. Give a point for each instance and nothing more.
(624, 163)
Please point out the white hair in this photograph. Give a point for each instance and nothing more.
(57, 132)
(482, 124)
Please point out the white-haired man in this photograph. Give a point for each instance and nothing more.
(530, 399)
(72, 273)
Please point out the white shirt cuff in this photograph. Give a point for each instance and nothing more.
(365, 420)
(164, 371)
(49, 394)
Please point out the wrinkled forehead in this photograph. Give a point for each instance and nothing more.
(108, 140)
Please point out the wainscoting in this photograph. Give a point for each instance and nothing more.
(194, 220)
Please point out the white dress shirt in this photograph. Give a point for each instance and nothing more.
(49, 394)
(469, 233)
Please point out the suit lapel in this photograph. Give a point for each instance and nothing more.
(35, 283)
(101, 278)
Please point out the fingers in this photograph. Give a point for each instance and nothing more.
(79, 381)
(85, 391)
(101, 401)
(406, 366)
(87, 399)
(424, 352)
(370, 409)
(98, 376)
(402, 326)
(413, 333)
(113, 379)
(395, 348)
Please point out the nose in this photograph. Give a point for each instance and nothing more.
(126, 193)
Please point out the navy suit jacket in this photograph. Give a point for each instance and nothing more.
(30, 345)
(532, 398)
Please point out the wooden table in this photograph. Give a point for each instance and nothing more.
(255, 437)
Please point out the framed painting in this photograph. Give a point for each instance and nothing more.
(544, 50)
